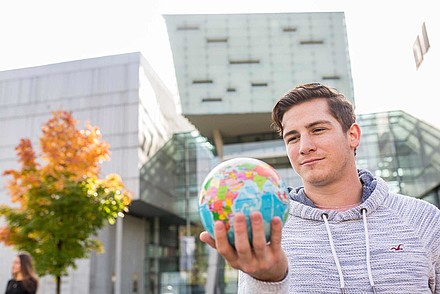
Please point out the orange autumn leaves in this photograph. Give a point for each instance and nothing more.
(67, 155)
(69, 151)
(66, 151)
(25, 178)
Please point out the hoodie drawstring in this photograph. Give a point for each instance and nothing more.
(367, 250)
(335, 256)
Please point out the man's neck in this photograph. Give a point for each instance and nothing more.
(337, 196)
(338, 208)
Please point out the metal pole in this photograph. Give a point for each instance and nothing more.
(215, 281)
(118, 256)
(187, 214)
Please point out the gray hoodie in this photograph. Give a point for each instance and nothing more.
(390, 243)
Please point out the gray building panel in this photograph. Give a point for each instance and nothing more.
(242, 63)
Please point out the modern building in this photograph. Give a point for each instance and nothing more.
(404, 151)
(230, 70)
(137, 116)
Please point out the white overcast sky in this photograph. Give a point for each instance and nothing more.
(380, 34)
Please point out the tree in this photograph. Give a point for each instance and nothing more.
(61, 203)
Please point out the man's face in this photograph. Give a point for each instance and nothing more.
(316, 145)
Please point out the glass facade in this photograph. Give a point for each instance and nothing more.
(403, 151)
(176, 261)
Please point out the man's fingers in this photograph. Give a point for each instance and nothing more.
(260, 260)
(258, 235)
(245, 256)
(222, 243)
(241, 234)
(276, 229)
(205, 237)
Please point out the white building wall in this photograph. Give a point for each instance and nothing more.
(103, 92)
(135, 112)
(133, 256)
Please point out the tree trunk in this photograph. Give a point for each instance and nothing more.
(58, 291)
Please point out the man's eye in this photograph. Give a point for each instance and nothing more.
(292, 139)
(318, 130)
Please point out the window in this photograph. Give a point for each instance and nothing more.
(259, 84)
(187, 28)
(311, 42)
(335, 77)
(217, 40)
(244, 61)
(202, 81)
(212, 99)
(289, 29)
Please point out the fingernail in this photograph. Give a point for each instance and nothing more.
(255, 217)
(239, 220)
(218, 225)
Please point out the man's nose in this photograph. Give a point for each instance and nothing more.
(307, 145)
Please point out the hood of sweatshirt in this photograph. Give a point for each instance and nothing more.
(374, 192)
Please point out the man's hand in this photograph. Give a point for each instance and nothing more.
(263, 261)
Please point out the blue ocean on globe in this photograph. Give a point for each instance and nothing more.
(242, 185)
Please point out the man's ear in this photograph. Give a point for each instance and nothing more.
(354, 133)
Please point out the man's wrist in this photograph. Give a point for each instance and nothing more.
(273, 279)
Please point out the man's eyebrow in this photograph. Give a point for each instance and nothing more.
(309, 126)
(319, 122)
(292, 132)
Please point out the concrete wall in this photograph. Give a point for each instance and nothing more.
(105, 92)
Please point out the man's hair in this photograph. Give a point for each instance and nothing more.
(339, 106)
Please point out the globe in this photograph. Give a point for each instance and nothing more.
(242, 185)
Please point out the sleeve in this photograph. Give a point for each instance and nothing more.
(434, 245)
(247, 284)
(8, 286)
(33, 287)
(437, 278)
(424, 218)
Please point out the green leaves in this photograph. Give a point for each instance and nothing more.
(62, 203)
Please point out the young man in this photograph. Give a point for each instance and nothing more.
(346, 232)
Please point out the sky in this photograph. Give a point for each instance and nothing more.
(380, 38)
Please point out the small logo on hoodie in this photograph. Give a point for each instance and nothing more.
(397, 248)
